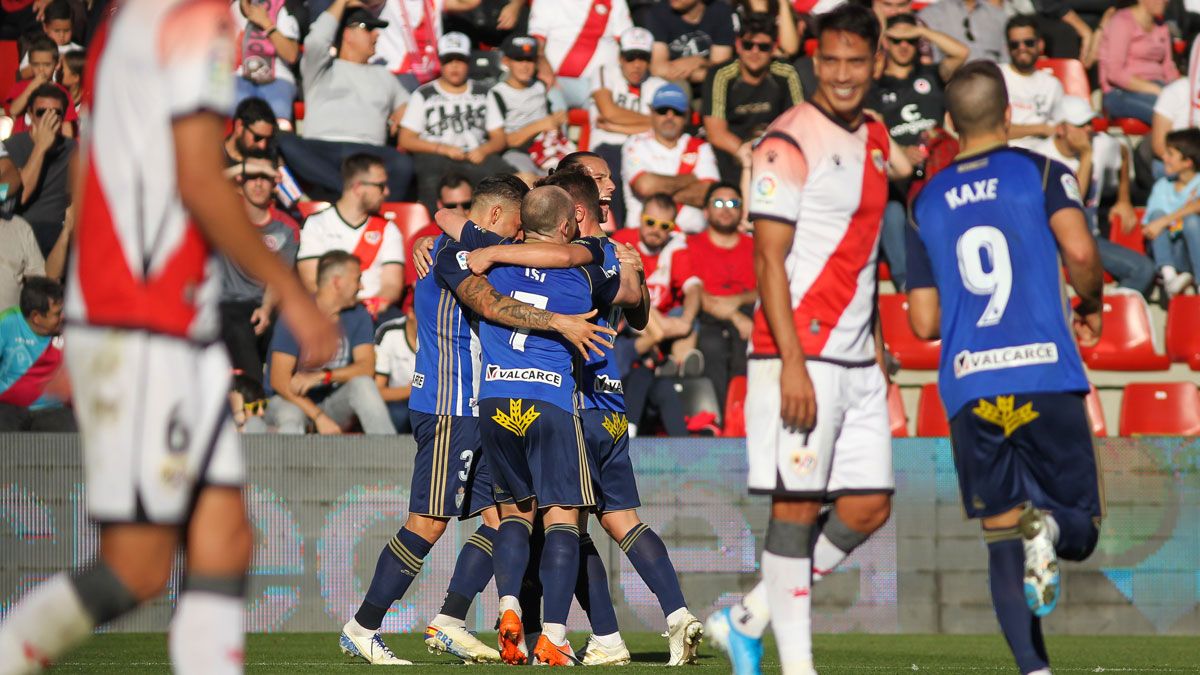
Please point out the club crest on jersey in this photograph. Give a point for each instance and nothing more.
(922, 86)
(877, 159)
(372, 237)
(459, 497)
(272, 242)
(1002, 414)
(461, 258)
(804, 462)
(603, 384)
(534, 375)
(689, 158)
(601, 9)
(516, 419)
(616, 425)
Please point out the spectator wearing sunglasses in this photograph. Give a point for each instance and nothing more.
(252, 133)
(666, 159)
(1033, 94)
(978, 23)
(351, 105)
(44, 157)
(743, 96)
(43, 57)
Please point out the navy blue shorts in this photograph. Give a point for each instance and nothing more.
(1026, 448)
(449, 477)
(536, 450)
(606, 434)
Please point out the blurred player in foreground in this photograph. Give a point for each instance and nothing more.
(1011, 377)
(150, 377)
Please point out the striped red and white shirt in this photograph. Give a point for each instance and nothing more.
(830, 182)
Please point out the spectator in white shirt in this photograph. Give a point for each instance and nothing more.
(1033, 94)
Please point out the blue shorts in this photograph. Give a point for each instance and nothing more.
(450, 477)
(606, 434)
(535, 450)
(1026, 448)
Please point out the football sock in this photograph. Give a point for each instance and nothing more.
(649, 557)
(207, 636)
(591, 589)
(559, 569)
(556, 633)
(51, 619)
(835, 541)
(1073, 532)
(751, 616)
(787, 572)
(531, 584)
(510, 555)
(399, 564)
(1006, 577)
(472, 571)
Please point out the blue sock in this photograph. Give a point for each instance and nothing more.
(399, 564)
(510, 555)
(559, 569)
(472, 572)
(649, 557)
(1006, 574)
(531, 585)
(591, 589)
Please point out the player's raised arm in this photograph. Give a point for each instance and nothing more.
(536, 254)
(450, 222)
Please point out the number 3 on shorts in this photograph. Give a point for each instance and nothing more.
(973, 245)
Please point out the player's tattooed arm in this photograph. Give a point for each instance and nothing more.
(482, 298)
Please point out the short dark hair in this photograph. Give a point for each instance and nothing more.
(721, 185)
(332, 261)
(853, 19)
(356, 165)
(1187, 142)
(42, 43)
(1022, 21)
(662, 199)
(976, 97)
(759, 24)
(254, 110)
(899, 19)
(57, 11)
(250, 388)
(38, 293)
(574, 159)
(452, 180)
(580, 186)
(50, 91)
(76, 59)
(502, 187)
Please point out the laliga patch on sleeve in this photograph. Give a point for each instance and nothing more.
(461, 257)
(766, 185)
(1071, 188)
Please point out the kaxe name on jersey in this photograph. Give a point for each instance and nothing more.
(975, 191)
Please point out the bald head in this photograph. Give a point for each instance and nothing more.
(545, 210)
(977, 98)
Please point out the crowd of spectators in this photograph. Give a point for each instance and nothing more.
(360, 103)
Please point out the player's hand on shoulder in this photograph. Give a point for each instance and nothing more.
(628, 255)
(421, 259)
(480, 260)
(798, 399)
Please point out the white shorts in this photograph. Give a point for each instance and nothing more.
(154, 422)
(849, 451)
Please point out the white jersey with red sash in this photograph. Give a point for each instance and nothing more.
(580, 35)
(643, 154)
(409, 43)
(139, 261)
(375, 243)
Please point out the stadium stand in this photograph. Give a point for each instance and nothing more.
(1160, 409)
(1183, 330)
(912, 352)
(1128, 340)
(931, 415)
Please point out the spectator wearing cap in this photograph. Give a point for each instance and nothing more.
(1033, 94)
(351, 106)
(620, 104)
(744, 95)
(689, 36)
(452, 124)
(1136, 60)
(269, 46)
(909, 97)
(246, 305)
(977, 23)
(577, 38)
(666, 159)
(532, 125)
(1102, 166)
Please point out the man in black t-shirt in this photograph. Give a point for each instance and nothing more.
(909, 98)
(689, 36)
(745, 95)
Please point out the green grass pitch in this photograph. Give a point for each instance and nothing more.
(847, 653)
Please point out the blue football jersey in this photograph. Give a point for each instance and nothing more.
(534, 365)
(600, 380)
(446, 376)
(980, 233)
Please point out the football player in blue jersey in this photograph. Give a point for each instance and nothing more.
(449, 478)
(1010, 376)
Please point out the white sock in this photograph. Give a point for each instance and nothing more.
(1051, 527)
(207, 634)
(356, 629)
(676, 616)
(443, 620)
(613, 641)
(788, 582)
(752, 615)
(508, 602)
(555, 633)
(826, 557)
(42, 626)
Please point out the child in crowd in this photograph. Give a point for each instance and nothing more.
(1172, 223)
(43, 60)
(532, 123)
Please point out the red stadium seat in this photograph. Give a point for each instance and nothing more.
(885, 272)
(735, 408)
(1165, 409)
(1132, 240)
(896, 414)
(1095, 412)
(1130, 126)
(306, 209)
(578, 117)
(1127, 342)
(408, 216)
(298, 110)
(1183, 330)
(912, 352)
(931, 414)
(1072, 75)
(10, 65)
